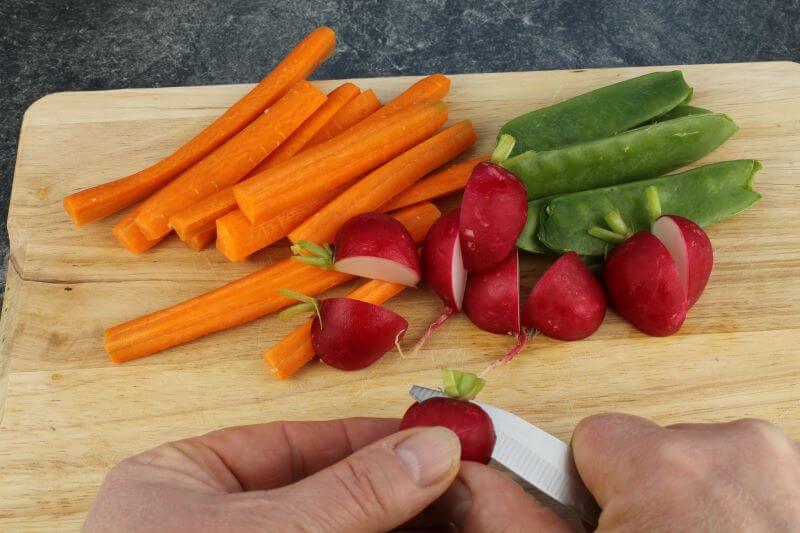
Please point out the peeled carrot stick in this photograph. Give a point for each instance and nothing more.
(201, 238)
(297, 141)
(429, 89)
(188, 221)
(130, 236)
(385, 182)
(238, 238)
(347, 156)
(100, 201)
(442, 183)
(232, 161)
(220, 204)
(295, 350)
(351, 114)
(238, 302)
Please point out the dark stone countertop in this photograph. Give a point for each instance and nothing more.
(69, 45)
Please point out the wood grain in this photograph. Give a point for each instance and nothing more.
(70, 414)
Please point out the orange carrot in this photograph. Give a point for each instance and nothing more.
(238, 302)
(347, 156)
(442, 183)
(130, 236)
(100, 201)
(294, 351)
(202, 214)
(232, 161)
(351, 114)
(429, 89)
(297, 141)
(201, 238)
(220, 204)
(385, 182)
(238, 238)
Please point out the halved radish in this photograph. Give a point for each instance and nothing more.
(491, 301)
(444, 269)
(493, 212)
(691, 249)
(350, 334)
(567, 302)
(370, 245)
(644, 285)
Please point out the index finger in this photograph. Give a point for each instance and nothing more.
(266, 456)
(606, 448)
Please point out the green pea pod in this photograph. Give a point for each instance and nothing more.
(682, 110)
(705, 195)
(633, 155)
(600, 113)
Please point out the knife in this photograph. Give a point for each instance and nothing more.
(535, 456)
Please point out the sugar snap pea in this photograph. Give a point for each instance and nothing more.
(640, 153)
(682, 110)
(528, 240)
(600, 113)
(705, 195)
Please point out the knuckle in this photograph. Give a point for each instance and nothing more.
(764, 436)
(679, 459)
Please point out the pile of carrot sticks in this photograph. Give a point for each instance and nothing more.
(285, 161)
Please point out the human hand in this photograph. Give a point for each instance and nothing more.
(739, 476)
(342, 475)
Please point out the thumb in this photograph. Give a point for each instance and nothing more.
(380, 486)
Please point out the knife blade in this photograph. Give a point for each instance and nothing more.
(534, 456)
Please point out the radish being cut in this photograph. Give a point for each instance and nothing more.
(350, 334)
(467, 420)
(690, 247)
(491, 301)
(369, 245)
(644, 285)
(567, 302)
(444, 269)
(494, 209)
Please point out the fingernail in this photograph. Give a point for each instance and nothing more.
(458, 500)
(429, 455)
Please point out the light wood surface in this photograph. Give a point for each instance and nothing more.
(70, 414)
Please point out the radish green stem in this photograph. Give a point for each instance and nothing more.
(505, 144)
(308, 304)
(653, 203)
(313, 254)
(606, 235)
(615, 222)
(461, 385)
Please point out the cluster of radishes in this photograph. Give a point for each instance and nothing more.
(469, 259)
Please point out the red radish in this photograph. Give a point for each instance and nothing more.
(350, 334)
(444, 268)
(491, 301)
(567, 303)
(690, 247)
(467, 420)
(493, 212)
(644, 285)
(370, 245)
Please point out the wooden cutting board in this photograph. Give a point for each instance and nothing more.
(70, 414)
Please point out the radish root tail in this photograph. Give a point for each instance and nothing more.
(521, 341)
(431, 330)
